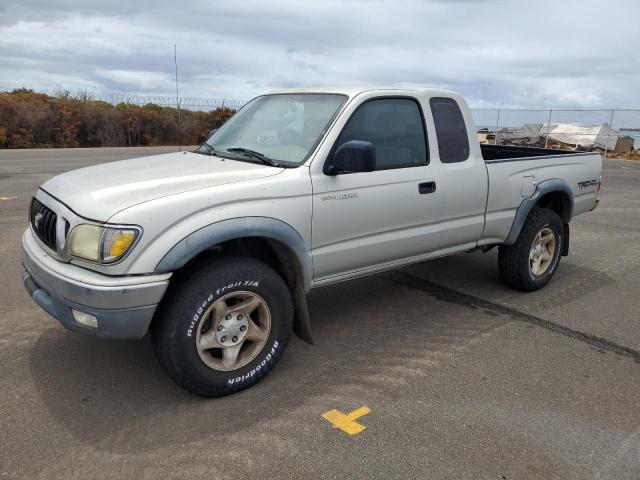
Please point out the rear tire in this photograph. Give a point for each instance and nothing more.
(223, 326)
(530, 263)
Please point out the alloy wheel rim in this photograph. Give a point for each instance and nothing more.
(233, 330)
(542, 252)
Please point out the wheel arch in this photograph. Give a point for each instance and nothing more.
(554, 194)
(269, 240)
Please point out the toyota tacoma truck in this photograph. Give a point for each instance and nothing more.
(214, 251)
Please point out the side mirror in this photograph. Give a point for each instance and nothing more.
(212, 133)
(352, 157)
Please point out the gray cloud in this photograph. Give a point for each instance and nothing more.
(508, 53)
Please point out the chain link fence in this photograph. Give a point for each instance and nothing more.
(496, 121)
(504, 121)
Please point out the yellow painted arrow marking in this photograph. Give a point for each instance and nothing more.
(347, 422)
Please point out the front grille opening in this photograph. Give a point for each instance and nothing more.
(43, 221)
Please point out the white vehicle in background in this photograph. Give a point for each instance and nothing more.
(214, 250)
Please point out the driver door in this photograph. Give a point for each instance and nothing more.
(363, 221)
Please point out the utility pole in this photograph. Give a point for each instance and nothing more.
(175, 60)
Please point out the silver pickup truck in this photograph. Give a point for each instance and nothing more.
(214, 251)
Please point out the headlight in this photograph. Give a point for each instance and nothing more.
(101, 244)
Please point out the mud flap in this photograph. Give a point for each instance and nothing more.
(565, 244)
(301, 322)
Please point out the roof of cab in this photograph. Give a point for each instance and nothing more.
(353, 90)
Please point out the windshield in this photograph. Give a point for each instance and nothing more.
(283, 127)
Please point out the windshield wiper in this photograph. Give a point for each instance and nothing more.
(253, 154)
(206, 149)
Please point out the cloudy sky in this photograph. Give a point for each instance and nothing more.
(498, 53)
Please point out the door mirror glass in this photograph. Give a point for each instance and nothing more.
(352, 157)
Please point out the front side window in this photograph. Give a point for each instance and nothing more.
(451, 132)
(396, 129)
(283, 127)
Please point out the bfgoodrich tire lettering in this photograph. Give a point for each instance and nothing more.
(182, 317)
(515, 260)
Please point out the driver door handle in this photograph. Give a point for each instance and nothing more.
(426, 187)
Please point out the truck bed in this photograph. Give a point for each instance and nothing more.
(508, 152)
(514, 173)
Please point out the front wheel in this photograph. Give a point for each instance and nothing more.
(224, 326)
(530, 263)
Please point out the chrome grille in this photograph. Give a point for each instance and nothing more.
(43, 221)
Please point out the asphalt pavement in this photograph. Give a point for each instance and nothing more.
(462, 377)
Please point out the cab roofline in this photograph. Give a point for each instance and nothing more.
(353, 90)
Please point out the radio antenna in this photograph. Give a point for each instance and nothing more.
(175, 60)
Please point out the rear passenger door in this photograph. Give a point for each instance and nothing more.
(462, 172)
(369, 219)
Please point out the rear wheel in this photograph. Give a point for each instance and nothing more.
(224, 326)
(530, 263)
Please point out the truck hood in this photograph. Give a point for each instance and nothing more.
(100, 191)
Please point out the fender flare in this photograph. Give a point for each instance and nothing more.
(543, 188)
(236, 228)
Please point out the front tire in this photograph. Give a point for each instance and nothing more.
(223, 326)
(530, 263)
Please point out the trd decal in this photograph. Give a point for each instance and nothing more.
(587, 183)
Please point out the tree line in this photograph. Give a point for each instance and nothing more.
(37, 120)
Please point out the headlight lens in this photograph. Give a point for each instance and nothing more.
(101, 244)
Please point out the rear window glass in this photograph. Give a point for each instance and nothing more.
(451, 132)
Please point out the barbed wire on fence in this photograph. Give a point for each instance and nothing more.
(171, 101)
(139, 99)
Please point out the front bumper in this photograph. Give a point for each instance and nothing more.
(123, 305)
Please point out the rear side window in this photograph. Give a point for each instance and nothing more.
(395, 127)
(451, 132)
